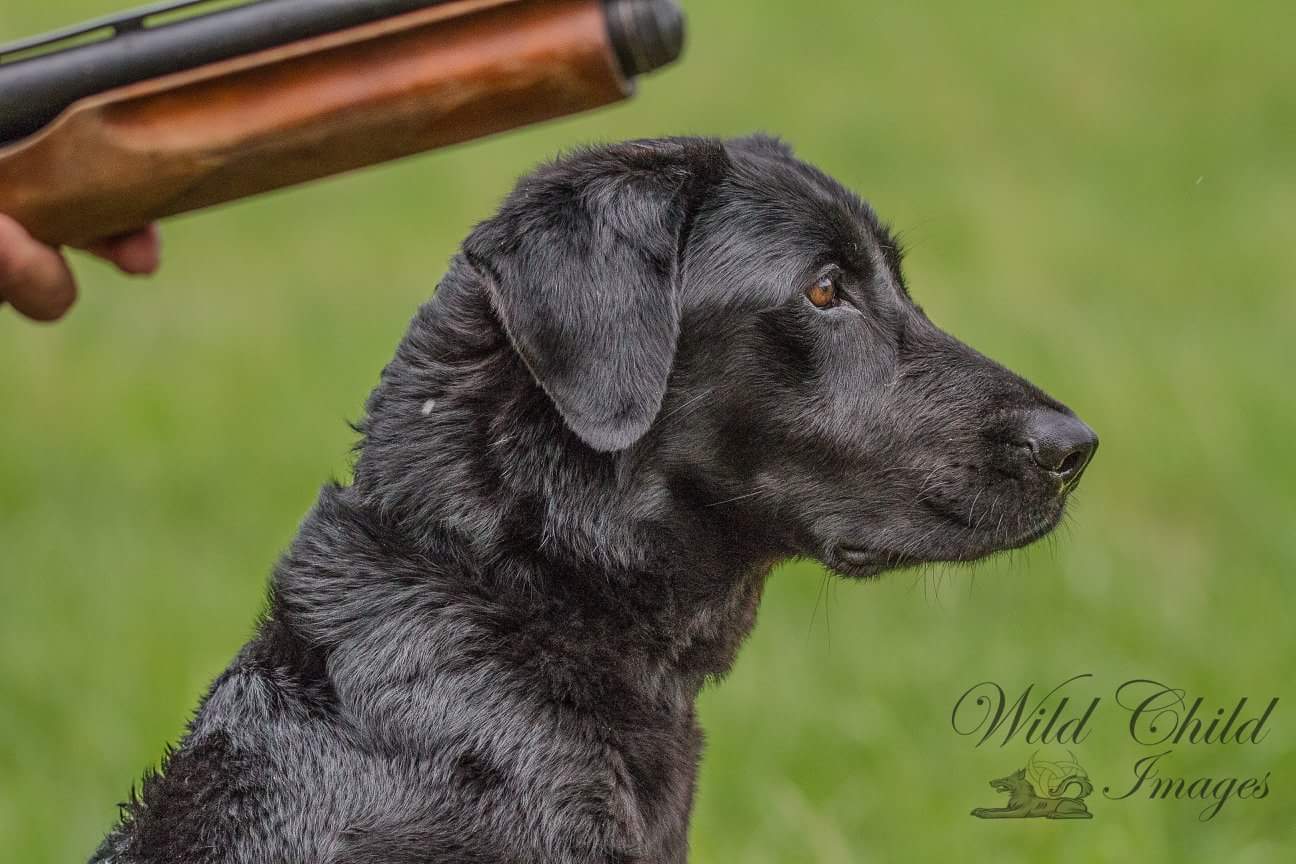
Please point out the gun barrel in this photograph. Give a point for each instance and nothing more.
(645, 34)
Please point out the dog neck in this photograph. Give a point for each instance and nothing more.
(471, 500)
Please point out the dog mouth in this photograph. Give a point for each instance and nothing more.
(950, 540)
(865, 561)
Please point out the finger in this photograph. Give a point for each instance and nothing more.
(138, 253)
(33, 277)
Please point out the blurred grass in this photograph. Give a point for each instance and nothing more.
(1099, 195)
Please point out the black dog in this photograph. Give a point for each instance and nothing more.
(663, 367)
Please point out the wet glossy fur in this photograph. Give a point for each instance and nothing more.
(616, 414)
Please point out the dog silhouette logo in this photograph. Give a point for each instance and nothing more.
(1044, 789)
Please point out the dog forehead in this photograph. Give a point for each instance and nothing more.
(771, 224)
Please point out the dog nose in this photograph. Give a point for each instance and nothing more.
(1060, 443)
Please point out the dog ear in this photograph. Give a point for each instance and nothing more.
(582, 263)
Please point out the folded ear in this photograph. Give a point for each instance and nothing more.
(583, 264)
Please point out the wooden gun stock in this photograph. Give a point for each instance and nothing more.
(440, 75)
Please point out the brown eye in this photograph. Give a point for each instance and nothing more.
(823, 292)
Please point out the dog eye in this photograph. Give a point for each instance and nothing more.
(823, 292)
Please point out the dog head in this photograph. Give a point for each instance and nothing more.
(739, 321)
(1010, 783)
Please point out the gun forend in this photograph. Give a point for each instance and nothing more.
(444, 73)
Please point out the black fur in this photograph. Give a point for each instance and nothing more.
(618, 412)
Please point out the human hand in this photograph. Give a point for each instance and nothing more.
(35, 278)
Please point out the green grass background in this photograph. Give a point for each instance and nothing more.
(1098, 194)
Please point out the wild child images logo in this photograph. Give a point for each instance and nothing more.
(1043, 789)
(1155, 715)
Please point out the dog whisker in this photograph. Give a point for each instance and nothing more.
(678, 408)
(928, 479)
(735, 498)
(814, 613)
(972, 509)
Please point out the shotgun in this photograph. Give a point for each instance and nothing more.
(111, 125)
